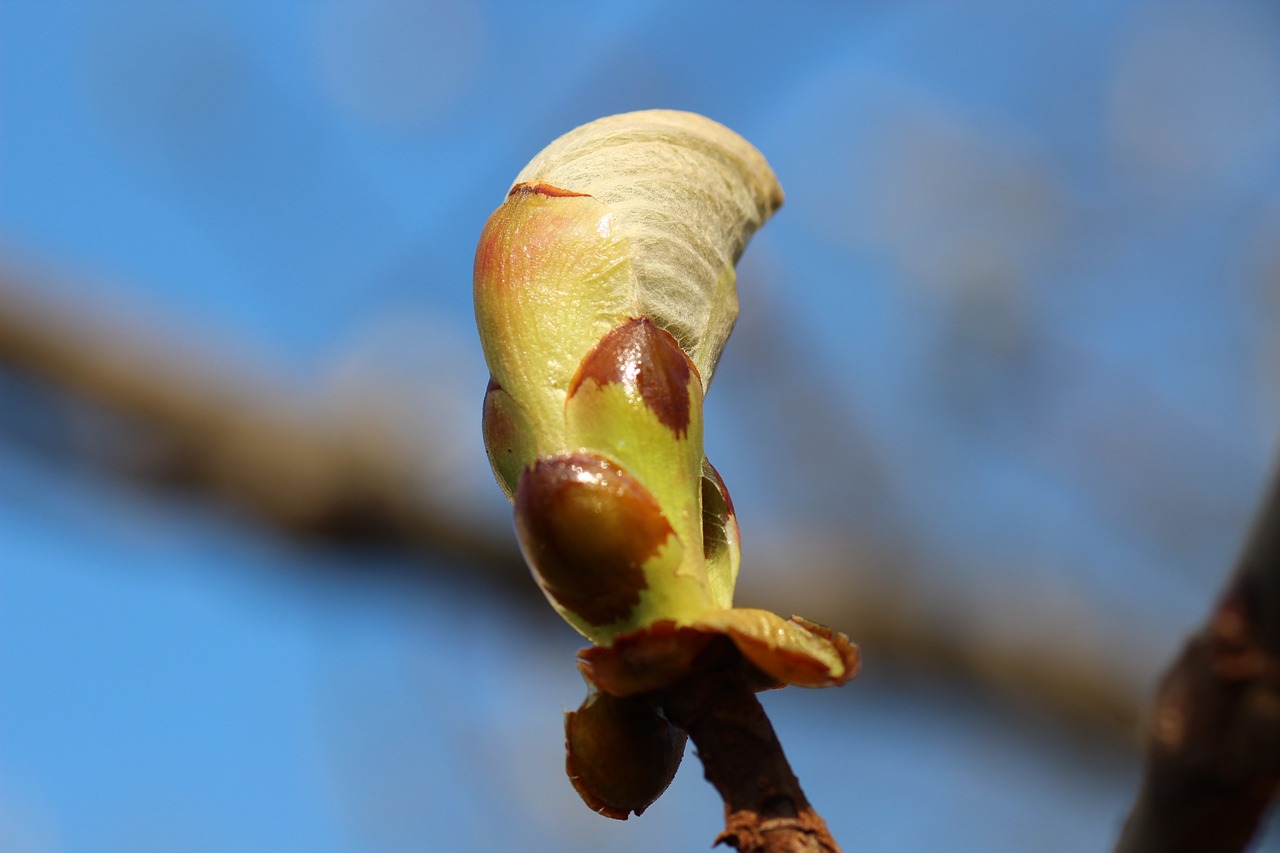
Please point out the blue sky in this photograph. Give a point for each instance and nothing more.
(1016, 317)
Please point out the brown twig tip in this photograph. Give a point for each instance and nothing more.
(765, 809)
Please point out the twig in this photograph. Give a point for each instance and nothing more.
(1213, 749)
(765, 809)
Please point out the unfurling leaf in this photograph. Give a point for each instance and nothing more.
(688, 193)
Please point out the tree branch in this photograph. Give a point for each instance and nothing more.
(333, 473)
(326, 473)
(765, 809)
(1213, 749)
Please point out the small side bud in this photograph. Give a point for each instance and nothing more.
(508, 438)
(721, 539)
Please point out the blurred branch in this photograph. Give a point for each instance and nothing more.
(921, 628)
(313, 473)
(1213, 750)
(339, 474)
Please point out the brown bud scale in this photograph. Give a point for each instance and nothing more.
(648, 362)
(587, 527)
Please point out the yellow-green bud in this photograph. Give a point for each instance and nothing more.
(604, 293)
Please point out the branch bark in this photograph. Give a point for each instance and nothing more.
(765, 809)
(1213, 747)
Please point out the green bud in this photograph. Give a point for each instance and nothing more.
(604, 292)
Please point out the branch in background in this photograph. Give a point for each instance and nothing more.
(1213, 750)
(338, 475)
(329, 474)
